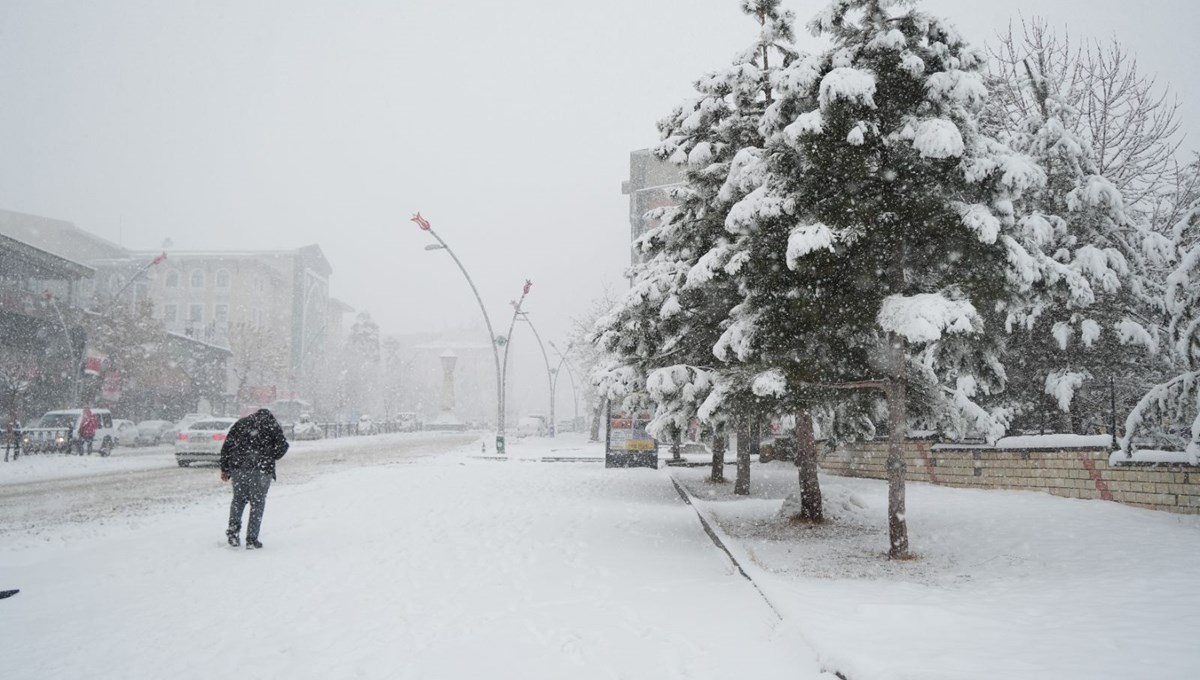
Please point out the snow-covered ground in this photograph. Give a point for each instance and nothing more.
(40, 467)
(462, 566)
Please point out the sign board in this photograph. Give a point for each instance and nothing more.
(627, 443)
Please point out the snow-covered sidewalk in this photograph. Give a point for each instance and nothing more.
(1007, 584)
(453, 567)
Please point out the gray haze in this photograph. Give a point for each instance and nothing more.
(223, 124)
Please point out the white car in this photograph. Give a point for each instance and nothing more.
(306, 429)
(127, 432)
(150, 432)
(182, 424)
(201, 441)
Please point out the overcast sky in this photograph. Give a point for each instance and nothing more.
(230, 124)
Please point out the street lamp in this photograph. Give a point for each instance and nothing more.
(516, 305)
(570, 374)
(549, 372)
(441, 245)
(158, 259)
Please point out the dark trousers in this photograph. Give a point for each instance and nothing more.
(249, 486)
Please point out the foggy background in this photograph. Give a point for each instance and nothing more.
(235, 125)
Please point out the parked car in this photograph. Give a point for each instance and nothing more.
(150, 432)
(59, 431)
(306, 429)
(532, 426)
(127, 432)
(408, 422)
(201, 441)
(181, 425)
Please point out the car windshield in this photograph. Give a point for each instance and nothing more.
(152, 424)
(58, 420)
(212, 425)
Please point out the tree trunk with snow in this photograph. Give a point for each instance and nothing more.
(718, 454)
(597, 415)
(741, 485)
(897, 429)
(676, 442)
(806, 468)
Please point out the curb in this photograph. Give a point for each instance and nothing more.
(719, 538)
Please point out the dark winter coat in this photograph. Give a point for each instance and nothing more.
(255, 441)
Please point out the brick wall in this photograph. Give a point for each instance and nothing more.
(1073, 473)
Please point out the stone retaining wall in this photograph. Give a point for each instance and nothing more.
(1073, 473)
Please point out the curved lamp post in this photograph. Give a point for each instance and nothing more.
(441, 245)
(562, 354)
(516, 305)
(549, 371)
(158, 259)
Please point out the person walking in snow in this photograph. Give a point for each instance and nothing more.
(248, 458)
(88, 423)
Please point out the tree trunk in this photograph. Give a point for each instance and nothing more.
(811, 507)
(741, 485)
(897, 429)
(597, 414)
(756, 437)
(718, 454)
(676, 442)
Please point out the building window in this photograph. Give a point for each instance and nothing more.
(222, 279)
(197, 279)
(172, 279)
(221, 313)
(196, 313)
(169, 313)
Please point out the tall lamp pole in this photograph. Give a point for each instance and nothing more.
(516, 305)
(549, 371)
(441, 245)
(570, 374)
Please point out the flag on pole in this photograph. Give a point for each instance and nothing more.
(528, 285)
(159, 259)
(421, 221)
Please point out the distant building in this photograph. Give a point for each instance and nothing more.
(648, 187)
(42, 329)
(203, 295)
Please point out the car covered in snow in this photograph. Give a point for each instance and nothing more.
(126, 432)
(305, 429)
(151, 432)
(201, 441)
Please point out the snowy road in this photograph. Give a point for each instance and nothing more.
(77, 490)
(438, 567)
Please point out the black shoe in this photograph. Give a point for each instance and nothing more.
(252, 544)
(233, 540)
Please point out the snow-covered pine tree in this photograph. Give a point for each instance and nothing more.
(1088, 221)
(1176, 400)
(1080, 217)
(661, 333)
(882, 221)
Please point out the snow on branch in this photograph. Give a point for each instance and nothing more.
(1062, 386)
(849, 84)
(809, 238)
(769, 383)
(926, 317)
(938, 138)
(980, 220)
